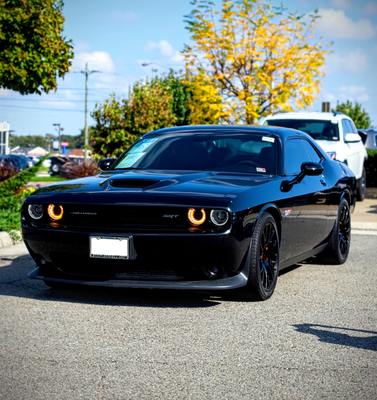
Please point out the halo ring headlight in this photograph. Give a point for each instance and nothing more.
(219, 217)
(55, 212)
(196, 217)
(35, 211)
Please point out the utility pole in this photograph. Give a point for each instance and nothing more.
(86, 72)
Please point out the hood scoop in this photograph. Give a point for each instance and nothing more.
(132, 182)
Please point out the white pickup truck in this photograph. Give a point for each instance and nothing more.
(335, 133)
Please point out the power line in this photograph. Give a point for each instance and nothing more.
(53, 100)
(42, 109)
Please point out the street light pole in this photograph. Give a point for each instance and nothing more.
(59, 139)
(86, 73)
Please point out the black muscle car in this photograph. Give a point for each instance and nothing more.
(195, 207)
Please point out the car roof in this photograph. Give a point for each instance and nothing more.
(283, 133)
(327, 116)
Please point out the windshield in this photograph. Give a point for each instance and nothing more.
(318, 130)
(233, 152)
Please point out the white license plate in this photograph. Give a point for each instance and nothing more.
(109, 247)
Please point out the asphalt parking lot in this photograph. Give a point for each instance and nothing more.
(316, 338)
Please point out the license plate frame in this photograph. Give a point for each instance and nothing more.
(110, 247)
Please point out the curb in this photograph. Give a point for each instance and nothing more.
(5, 240)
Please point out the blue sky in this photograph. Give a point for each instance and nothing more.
(117, 36)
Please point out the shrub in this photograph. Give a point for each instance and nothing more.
(72, 170)
(7, 169)
(371, 168)
(12, 195)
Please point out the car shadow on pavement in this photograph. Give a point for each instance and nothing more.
(372, 209)
(350, 337)
(14, 281)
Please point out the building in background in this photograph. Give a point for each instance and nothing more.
(4, 137)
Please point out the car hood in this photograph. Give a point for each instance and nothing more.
(136, 186)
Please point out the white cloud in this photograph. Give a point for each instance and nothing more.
(166, 50)
(336, 24)
(99, 60)
(370, 8)
(348, 92)
(124, 16)
(352, 61)
(163, 46)
(6, 92)
(341, 3)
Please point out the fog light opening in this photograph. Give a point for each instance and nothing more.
(213, 272)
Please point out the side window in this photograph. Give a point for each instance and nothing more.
(354, 130)
(298, 151)
(314, 156)
(348, 126)
(345, 126)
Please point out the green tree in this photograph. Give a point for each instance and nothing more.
(355, 111)
(28, 141)
(156, 103)
(151, 106)
(111, 134)
(261, 59)
(33, 50)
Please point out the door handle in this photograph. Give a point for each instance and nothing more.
(323, 182)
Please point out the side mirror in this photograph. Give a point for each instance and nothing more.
(105, 164)
(307, 168)
(311, 168)
(352, 138)
(364, 135)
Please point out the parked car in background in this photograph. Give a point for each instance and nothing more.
(20, 160)
(371, 142)
(8, 167)
(194, 207)
(56, 162)
(335, 133)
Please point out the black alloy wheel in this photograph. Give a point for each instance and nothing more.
(340, 238)
(344, 229)
(263, 259)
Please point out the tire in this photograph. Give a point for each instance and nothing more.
(361, 186)
(340, 238)
(55, 169)
(263, 259)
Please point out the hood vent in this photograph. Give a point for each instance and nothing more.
(132, 183)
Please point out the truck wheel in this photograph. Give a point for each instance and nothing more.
(361, 186)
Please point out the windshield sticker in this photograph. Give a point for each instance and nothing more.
(259, 169)
(268, 139)
(136, 153)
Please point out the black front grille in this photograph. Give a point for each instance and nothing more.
(101, 217)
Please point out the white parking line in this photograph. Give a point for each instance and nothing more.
(363, 232)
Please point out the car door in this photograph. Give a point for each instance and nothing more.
(305, 210)
(355, 157)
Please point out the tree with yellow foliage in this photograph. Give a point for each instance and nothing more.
(260, 59)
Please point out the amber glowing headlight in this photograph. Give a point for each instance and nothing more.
(55, 212)
(219, 217)
(196, 216)
(35, 211)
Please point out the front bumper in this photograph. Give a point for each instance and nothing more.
(233, 282)
(162, 261)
